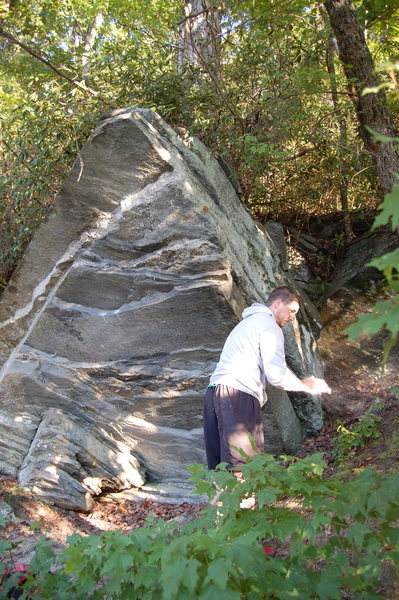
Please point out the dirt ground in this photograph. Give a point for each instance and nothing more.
(58, 524)
(353, 372)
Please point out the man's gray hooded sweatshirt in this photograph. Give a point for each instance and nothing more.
(253, 354)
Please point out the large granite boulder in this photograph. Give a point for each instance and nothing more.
(115, 319)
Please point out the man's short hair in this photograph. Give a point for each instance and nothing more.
(283, 293)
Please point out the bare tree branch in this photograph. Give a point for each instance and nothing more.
(10, 37)
(294, 156)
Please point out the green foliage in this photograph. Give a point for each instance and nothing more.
(349, 441)
(389, 212)
(385, 315)
(269, 113)
(49, 106)
(329, 537)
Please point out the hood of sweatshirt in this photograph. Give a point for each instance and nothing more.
(256, 308)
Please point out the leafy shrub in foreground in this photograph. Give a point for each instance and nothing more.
(331, 537)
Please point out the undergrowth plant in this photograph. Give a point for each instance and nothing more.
(332, 538)
(349, 440)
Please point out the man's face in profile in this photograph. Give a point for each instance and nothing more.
(284, 313)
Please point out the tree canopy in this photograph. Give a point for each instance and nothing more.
(265, 84)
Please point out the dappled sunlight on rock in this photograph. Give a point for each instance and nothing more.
(116, 317)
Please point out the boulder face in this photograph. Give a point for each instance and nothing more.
(114, 321)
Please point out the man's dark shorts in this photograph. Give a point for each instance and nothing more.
(231, 419)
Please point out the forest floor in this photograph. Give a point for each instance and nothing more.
(352, 370)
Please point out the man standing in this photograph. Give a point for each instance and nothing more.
(253, 355)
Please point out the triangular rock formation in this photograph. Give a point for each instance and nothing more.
(118, 312)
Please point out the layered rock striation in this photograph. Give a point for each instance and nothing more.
(115, 319)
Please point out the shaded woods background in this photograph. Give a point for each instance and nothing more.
(273, 88)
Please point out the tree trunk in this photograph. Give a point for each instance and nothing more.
(372, 109)
(343, 167)
(200, 37)
(89, 41)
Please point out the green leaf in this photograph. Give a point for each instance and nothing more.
(389, 260)
(389, 209)
(5, 546)
(379, 137)
(171, 577)
(357, 531)
(190, 577)
(328, 589)
(218, 572)
(385, 314)
(212, 592)
(268, 495)
(375, 90)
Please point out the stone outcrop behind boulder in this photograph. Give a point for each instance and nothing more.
(354, 272)
(117, 315)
